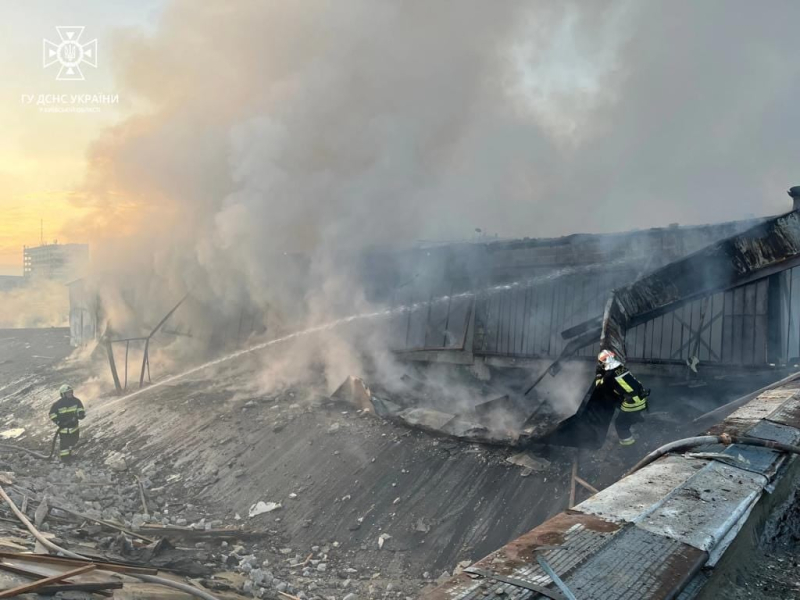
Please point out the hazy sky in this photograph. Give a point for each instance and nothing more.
(315, 121)
(43, 155)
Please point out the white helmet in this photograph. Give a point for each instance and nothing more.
(609, 360)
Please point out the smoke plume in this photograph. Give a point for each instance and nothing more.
(37, 303)
(275, 140)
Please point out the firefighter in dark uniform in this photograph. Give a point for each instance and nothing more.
(66, 414)
(614, 388)
(614, 381)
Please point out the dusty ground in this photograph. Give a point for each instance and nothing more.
(366, 507)
(773, 571)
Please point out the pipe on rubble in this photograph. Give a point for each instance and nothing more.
(197, 593)
(723, 438)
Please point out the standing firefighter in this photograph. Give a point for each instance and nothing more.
(66, 413)
(614, 381)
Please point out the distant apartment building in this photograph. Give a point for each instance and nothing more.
(61, 262)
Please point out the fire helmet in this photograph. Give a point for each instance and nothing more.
(608, 359)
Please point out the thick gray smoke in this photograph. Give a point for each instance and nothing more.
(270, 130)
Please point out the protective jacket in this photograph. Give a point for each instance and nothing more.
(624, 386)
(66, 414)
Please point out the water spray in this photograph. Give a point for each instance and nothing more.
(388, 312)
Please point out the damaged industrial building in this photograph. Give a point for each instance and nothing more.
(453, 300)
(420, 479)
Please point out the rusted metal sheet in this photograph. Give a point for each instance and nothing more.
(567, 541)
(638, 565)
(767, 248)
(592, 556)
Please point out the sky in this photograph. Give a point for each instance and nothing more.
(43, 155)
(247, 129)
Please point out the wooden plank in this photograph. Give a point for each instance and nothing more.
(58, 560)
(94, 587)
(65, 586)
(31, 587)
(106, 524)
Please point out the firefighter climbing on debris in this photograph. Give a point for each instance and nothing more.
(614, 381)
(66, 414)
(614, 387)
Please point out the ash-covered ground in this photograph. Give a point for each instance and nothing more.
(360, 507)
(772, 570)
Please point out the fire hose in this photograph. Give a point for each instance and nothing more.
(33, 452)
(702, 440)
(198, 593)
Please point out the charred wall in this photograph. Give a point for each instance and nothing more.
(517, 297)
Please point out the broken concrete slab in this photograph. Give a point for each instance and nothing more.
(426, 418)
(12, 434)
(262, 507)
(526, 461)
(385, 408)
(116, 462)
(354, 391)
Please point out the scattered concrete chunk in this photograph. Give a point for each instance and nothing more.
(526, 461)
(116, 462)
(262, 507)
(12, 434)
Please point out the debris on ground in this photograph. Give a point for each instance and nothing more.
(528, 462)
(129, 525)
(261, 507)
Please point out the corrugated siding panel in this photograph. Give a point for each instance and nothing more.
(727, 327)
(527, 322)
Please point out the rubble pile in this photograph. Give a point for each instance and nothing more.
(294, 493)
(106, 511)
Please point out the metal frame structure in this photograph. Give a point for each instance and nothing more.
(145, 355)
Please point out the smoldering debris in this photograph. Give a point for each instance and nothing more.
(469, 411)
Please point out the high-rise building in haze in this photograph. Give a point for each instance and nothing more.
(62, 262)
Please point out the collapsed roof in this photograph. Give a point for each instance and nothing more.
(730, 303)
